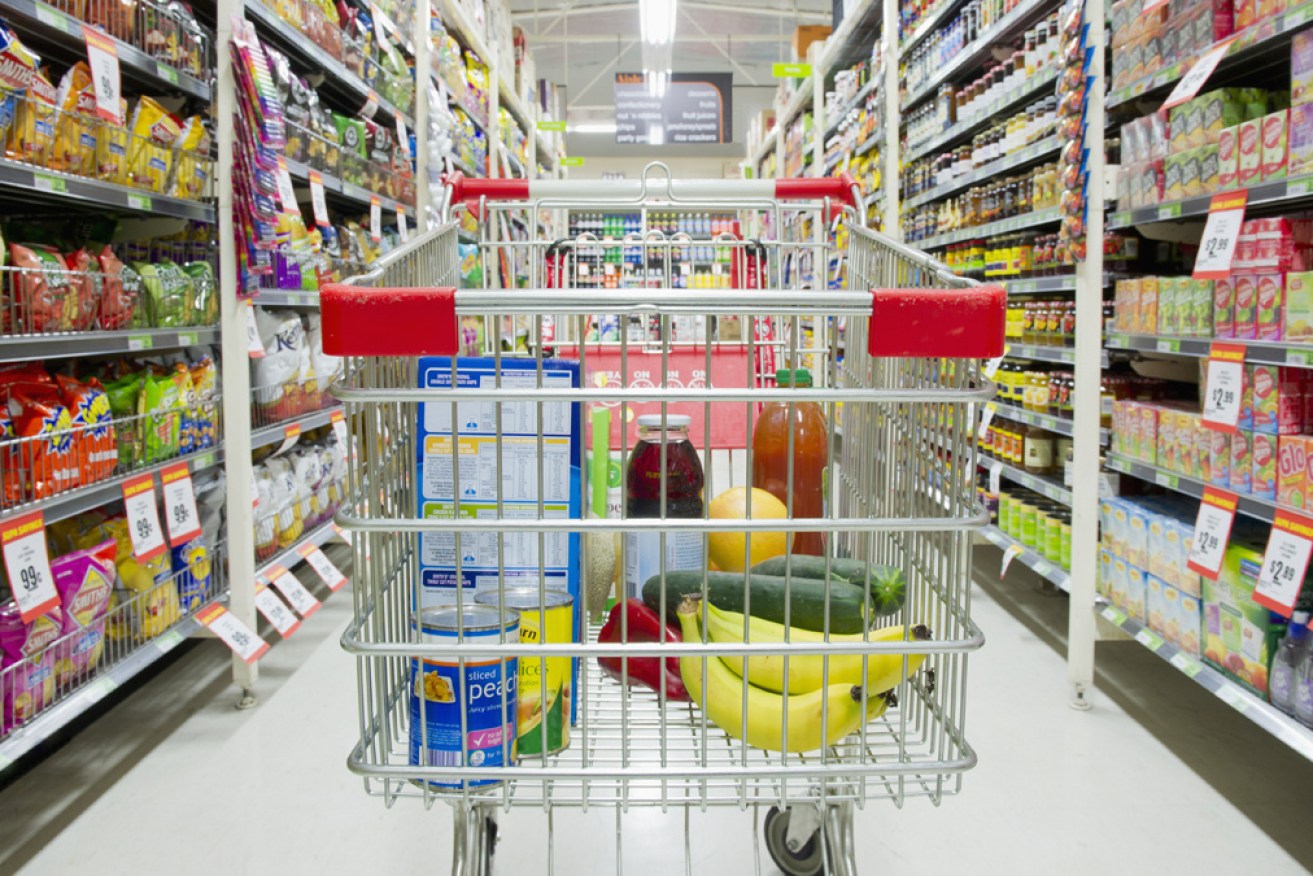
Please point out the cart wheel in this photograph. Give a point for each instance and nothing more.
(807, 861)
(491, 834)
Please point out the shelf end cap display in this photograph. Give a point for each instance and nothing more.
(360, 321)
(938, 323)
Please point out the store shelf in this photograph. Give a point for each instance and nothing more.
(274, 434)
(289, 558)
(931, 23)
(1045, 353)
(1235, 695)
(1263, 39)
(1250, 506)
(1057, 425)
(1028, 557)
(1033, 285)
(1038, 151)
(832, 126)
(32, 347)
(63, 713)
(1276, 194)
(989, 229)
(283, 298)
(1044, 486)
(62, 190)
(971, 55)
(1262, 352)
(338, 190)
(54, 26)
(463, 167)
(83, 499)
(337, 78)
(1033, 88)
(765, 148)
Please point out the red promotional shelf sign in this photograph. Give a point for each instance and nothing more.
(1223, 389)
(1212, 531)
(1284, 562)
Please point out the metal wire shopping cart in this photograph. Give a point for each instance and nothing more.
(468, 470)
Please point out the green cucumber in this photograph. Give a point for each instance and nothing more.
(805, 598)
(888, 586)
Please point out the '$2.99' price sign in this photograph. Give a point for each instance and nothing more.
(1226, 213)
(1284, 562)
(1224, 387)
(1212, 530)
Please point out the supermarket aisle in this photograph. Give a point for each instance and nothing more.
(175, 775)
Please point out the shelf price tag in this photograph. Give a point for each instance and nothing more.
(27, 562)
(236, 635)
(286, 194)
(323, 566)
(254, 346)
(1194, 80)
(1226, 213)
(402, 231)
(375, 219)
(995, 475)
(291, 433)
(1212, 530)
(339, 425)
(1011, 553)
(275, 611)
(1284, 562)
(294, 591)
(317, 201)
(143, 517)
(103, 58)
(179, 504)
(1222, 390)
(403, 138)
(371, 105)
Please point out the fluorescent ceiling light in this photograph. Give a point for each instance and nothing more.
(657, 82)
(593, 128)
(658, 20)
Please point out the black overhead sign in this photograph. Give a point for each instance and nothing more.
(696, 108)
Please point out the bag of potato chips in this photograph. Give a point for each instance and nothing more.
(75, 138)
(32, 136)
(150, 153)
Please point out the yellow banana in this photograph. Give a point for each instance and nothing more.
(726, 704)
(806, 671)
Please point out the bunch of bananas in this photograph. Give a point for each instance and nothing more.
(745, 696)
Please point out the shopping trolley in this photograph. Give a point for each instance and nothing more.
(897, 355)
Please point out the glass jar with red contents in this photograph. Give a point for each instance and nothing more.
(647, 483)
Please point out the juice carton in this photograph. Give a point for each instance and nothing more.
(1105, 522)
(1171, 615)
(1275, 144)
(1157, 548)
(1300, 160)
(1219, 459)
(1301, 67)
(1249, 149)
(1191, 187)
(1228, 156)
(1171, 549)
(1241, 461)
(1121, 521)
(1278, 402)
(1137, 536)
(1195, 136)
(1222, 107)
(1270, 289)
(1172, 168)
(1208, 164)
(1246, 418)
(1190, 585)
(1244, 13)
(1166, 306)
(1224, 308)
(1201, 297)
(1148, 305)
(1148, 438)
(1154, 604)
(1187, 424)
(1246, 307)
(1104, 584)
(1121, 574)
(1166, 444)
(1292, 460)
(1263, 481)
(1136, 588)
(1299, 307)
(1234, 627)
(1187, 610)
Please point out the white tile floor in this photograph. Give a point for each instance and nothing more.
(176, 780)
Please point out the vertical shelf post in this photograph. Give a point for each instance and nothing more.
(423, 77)
(890, 175)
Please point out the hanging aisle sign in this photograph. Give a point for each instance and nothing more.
(1212, 531)
(686, 108)
(1226, 214)
(1224, 386)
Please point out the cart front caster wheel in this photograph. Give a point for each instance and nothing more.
(809, 860)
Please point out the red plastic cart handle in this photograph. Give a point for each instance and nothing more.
(359, 321)
(938, 323)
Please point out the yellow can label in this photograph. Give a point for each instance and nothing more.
(545, 683)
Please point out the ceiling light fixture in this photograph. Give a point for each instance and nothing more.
(658, 20)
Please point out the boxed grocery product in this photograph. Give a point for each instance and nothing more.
(1148, 437)
(1154, 604)
(1246, 418)
(1249, 158)
(1235, 628)
(1275, 142)
(1165, 449)
(1166, 306)
(1137, 536)
(1271, 292)
(1224, 308)
(1188, 427)
(1222, 108)
(1292, 460)
(1157, 545)
(1219, 459)
(1120, 584)
(1188, 610)
(1300, 160)
(1199, 322)
(1263, 481)
(1227, 157)
(1148, 313)
(1136, 589)
(1244, 13)
(1278, 399)
(1104, 584)
(1246, 307)
(1298, 321)
(1191, 187)
(1241, 460)
(1208, 169)
(1301, 67)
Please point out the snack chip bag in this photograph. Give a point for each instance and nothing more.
(185, 405)
(75, 138)
(17, 67)
(84, 580)
(45, 463)
(120, 290)
(112, 150)
(144, 602)
(41, 296)
(204, 303)
(159, 401)
(130, 435)
(28, 653)
(204, 381)
(193, 145)
(32, 135)
(84, 303)
(150, 152)
(192, 565)
(95, 442)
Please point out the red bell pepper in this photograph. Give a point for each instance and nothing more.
(644, 625)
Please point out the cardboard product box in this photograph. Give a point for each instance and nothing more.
(1298, 322)
(1154, 605)
(1126, 304)
(1300, 160)
(1276, 143)
(1246, 418)
(1148, 323)
(1166, 445)
(1241, 461)
(1292, 462)
(1270, 289)
(1246, 307)
(1266, 9)
(1173, 173)
(1223, 309)
(1104, 584)
(1278, 399)
(1149, 434)
(806, 34)
(1235, 628)
(1187, 429)
(1208, 169)
(1121, 582)
(1219, 459)
(1244, 13)
(1227, 157)
(1249, 152)
(1167, 322)
(1301, 67)
(1136, 591)
(1200, 322)
(1191, 185)
(1137, 536)
(1263, 481)
(1191, 617)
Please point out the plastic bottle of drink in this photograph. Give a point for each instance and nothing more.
(1285, 666)
(1303, 697)
(771, 457)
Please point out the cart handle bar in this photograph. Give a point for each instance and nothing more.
(422, 321)
(842, 188)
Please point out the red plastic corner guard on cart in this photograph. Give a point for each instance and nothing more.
(938, 323)
(837, 188)
(359, 321)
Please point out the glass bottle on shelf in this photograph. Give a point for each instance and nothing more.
(1038, 450)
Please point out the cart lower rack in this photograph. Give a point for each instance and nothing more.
(483, 581)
